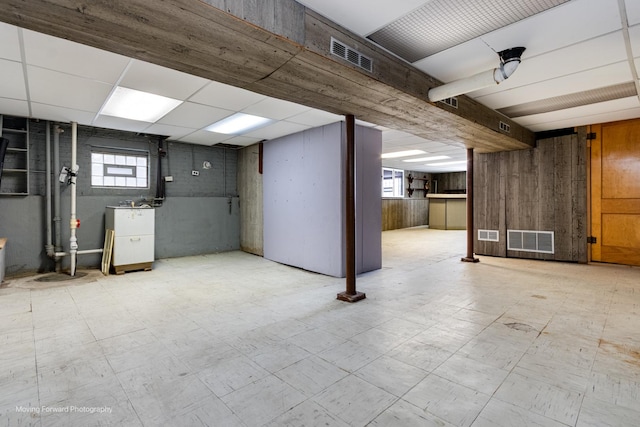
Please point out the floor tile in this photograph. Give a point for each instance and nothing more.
(536, 396)
(472, 374)
(269, 398)
(311, 375)
(231, 373)
(308, 414)
(420, 355)
(349, 356)
(403, 413)
(316, 340)
(391, 375)
(502, 414)
(354, 401)
(596, 413)
(452, 402)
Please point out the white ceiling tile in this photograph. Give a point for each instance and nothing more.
(609, 116)
(578, 112)
(173, 132)
(111, 122)
(363, 17)
(463, 60)
(558, 27)
(579, 82)
(275, 109)
(565, 61)
(14, 107)
(194, 116)
(224, 96)
(242, 141)
(204, 137)
(12, 81)
(633, 11)
(72, 58)
(76, 93)
(10, 46)
(61, 114)
(163, 81)
(276, 130)
(315, 118)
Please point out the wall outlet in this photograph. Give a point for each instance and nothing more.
(168, 178)
(195, 173)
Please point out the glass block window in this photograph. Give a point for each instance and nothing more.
(119, 170)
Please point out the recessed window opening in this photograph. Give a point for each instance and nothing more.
(392, 182)
(115, 170)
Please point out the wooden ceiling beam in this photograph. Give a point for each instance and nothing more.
(195, 37)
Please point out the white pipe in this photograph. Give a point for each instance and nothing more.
(49, 246)
(508, 66)
(84, 252)
(73, 224)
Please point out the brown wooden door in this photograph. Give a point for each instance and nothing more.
(615, 192)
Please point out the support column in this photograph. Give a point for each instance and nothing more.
(470, 230)
(350, 295)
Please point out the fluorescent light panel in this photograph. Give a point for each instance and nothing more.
(447, 163)
(137, 105)
(427, 159)
(238, 124)
(405, 153)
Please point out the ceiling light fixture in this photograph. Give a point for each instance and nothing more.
(405, 153)
(509, 61)
(237, 124)
(427, 159)
(447, 163)
(137, 105)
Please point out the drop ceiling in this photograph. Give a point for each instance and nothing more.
(580, 67)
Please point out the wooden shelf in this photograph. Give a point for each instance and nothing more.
(15, 179)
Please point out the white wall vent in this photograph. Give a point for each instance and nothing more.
(350, 54)
(452, 102)
(489, 235)
(530, 241)
(505, 127)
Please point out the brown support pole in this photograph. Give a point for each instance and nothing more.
(350, 295)
(470, 230)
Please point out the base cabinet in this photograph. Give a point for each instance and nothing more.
(133, 245)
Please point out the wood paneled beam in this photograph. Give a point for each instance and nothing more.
(195, 37)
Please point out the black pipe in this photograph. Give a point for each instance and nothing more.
(4, 143)
(159, 178)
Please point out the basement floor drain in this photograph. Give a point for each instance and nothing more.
(60, 277)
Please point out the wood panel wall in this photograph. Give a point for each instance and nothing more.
(403, 213)
(451, 181)
(544, 188)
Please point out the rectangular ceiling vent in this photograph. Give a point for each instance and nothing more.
(350, 54)
(530, 241)
(489, 235)
(451, 102)
(505, 127)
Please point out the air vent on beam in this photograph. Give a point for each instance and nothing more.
(489, 235)
(452, 102)
(353, 56)
(530, 241)
(505, 127)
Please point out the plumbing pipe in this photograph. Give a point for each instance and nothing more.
(73, 223)
(49, 247)
(84, 252)
(509, 61)
(56, 196)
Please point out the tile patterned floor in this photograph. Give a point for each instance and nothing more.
(236, 340)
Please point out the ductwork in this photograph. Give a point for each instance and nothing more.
(509, 61)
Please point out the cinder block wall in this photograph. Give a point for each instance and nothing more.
(200, 214)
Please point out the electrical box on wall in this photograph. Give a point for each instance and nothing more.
(195, 173)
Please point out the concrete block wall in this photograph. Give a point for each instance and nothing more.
(200, 214)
